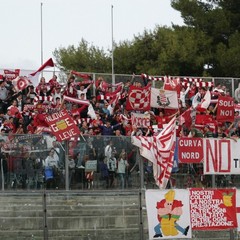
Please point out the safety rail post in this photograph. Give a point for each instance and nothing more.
(141, 194)
(66, 165)
(45, 225)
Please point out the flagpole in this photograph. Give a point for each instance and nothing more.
(113, 76)
(41, 35)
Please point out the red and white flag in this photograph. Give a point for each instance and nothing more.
(160, 151)
(91, 111)
(201, 104)
(102, 85)
(20, 83)
(139, 98)
(75, 100)
(33, 76)
(188, 117)
(81, 75)
(115, 96)
(172, 84)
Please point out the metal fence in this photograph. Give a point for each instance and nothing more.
(230, 83)
(82, 164)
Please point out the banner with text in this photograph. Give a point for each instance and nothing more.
(213, 209)
(225, 110)
(140, 120)
(221, 156)
(175, 213)
(190, 150)
(238, 209)
(62, 125)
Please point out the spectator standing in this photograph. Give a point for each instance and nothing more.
(207, 132)
(121, 168)
(108, 129)
(183, 94)
(51, 169)
(3, 96)
(104, 172)
(196, 132)
(112, 167)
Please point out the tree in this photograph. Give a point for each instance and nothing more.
(82, 58)
(219, 20)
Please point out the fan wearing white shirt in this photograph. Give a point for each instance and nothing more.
(83, 90)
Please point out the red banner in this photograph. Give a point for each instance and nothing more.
(190, 150)
(225, 110)
(62, 125)
(213, 209)
(139, 98)
(10, 75)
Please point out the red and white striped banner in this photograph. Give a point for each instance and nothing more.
(74, 100)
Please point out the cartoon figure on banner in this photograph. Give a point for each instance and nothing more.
(169, 212)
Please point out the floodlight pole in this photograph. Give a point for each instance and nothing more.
(113, 76)
(41, 35)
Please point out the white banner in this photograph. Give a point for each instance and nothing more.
(168, 214)
(164, 99)
(140, 120)
(238, 208)
(221, 156)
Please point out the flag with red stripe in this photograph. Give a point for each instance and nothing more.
(34, 76)
(160, 151)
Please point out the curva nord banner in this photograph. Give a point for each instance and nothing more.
(62, 125)
(219, 156)
(190, 150)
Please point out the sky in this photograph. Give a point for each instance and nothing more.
(66, 22)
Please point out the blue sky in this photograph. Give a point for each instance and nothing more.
(66, 22)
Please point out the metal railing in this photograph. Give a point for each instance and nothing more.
(81, 164)
(230, 82)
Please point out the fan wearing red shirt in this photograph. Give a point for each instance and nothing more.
(161, 119)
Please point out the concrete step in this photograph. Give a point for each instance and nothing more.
(86, 234)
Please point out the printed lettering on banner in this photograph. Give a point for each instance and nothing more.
(213, 209)
(140, 120)
(221, 156)
(225, 110)
(62, 125)
(190, 150)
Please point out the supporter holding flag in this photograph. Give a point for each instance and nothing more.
(42, 85)
(20, 83)
(70, 89)
(34, 76)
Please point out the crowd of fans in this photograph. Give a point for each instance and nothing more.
(24, 113)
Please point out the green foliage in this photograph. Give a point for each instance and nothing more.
(82, 58)
(219, 21)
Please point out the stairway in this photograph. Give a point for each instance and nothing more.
(90, 216)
